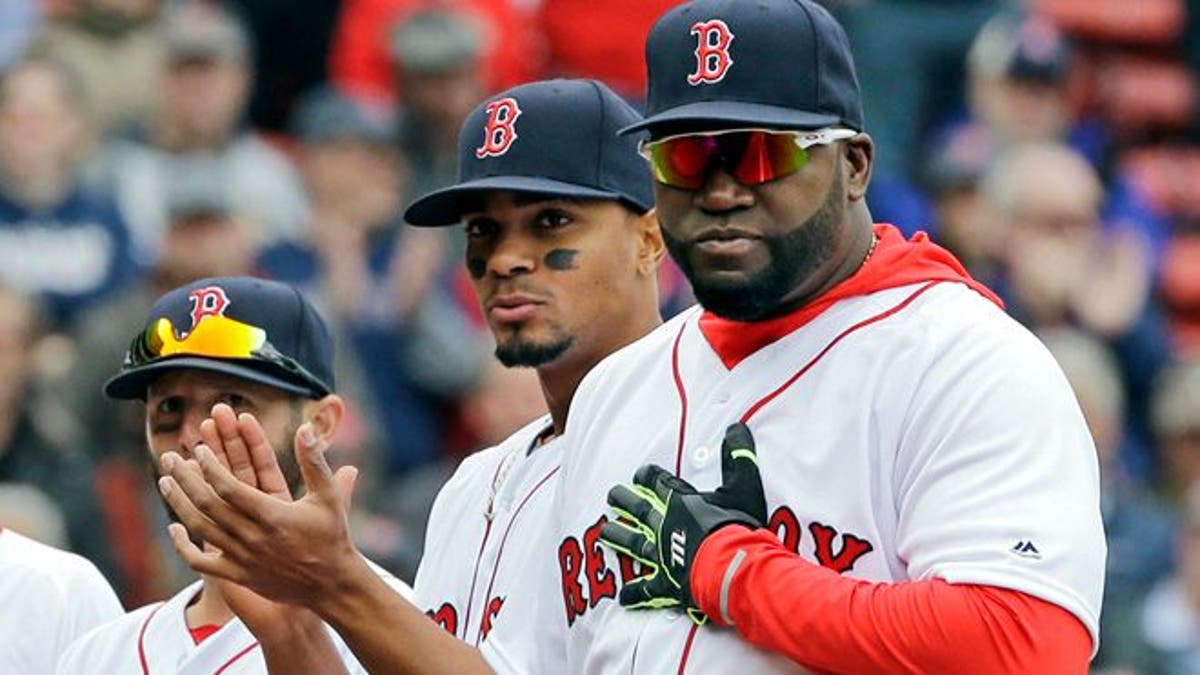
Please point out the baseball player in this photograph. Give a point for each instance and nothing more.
(50, 597)
(212, 353)
(855, 461)
(563, 250)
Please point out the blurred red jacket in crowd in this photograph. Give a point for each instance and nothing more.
(361, 61)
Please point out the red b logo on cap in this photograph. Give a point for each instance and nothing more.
(207, 301)
(712, 51)
(499, 133)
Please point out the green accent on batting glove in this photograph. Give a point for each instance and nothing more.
(663, 520)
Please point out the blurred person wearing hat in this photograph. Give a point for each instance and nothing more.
(846, 454)
(60, 239)
(204, 83)
(411, 350)
(116, 46)
(212, 352)
(1020, 89)
(562, 249)
(436, 56)
(362, 58)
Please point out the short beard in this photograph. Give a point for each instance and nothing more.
(517, 352)
(793, 257)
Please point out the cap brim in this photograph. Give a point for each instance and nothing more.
(445, 207)
(131, 383)
(735, 112)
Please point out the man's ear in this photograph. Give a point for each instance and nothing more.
(859, 161)
(651, 249)
(325, 414)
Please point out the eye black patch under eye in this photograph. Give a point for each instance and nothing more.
(477, 267)
(561, 259)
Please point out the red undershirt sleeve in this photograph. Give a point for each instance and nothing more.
(783, 603)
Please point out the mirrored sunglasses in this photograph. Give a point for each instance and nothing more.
(751, 156)
(215, 337)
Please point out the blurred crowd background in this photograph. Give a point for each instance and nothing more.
(1053, 145)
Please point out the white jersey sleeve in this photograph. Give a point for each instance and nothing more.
(49, 598)
(996, 475)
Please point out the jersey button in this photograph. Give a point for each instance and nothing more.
(701, 456)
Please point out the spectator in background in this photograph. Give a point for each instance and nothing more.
(117, 48)
(1019, 90)
(1171, 612)
(58, 239)
(1062, 266)
(1175, 419)
(952, 177)
(437, 63)
(204, 236)
(1139, 529)
(34, 448)
(409, 351)
(204, 88)
(361, 61)
(601, 40)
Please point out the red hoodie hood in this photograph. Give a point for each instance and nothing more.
(895, 262)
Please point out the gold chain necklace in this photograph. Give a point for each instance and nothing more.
(874, 242)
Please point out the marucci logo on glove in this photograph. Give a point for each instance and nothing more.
(678, 547)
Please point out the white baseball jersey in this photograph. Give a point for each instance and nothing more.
(488, 552)
(48, 598)
(910, 433)
(156, 639)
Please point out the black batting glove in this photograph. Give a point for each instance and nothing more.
(662, 521)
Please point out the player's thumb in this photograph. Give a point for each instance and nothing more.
(741, 484)
(346, 478)
(310, 456)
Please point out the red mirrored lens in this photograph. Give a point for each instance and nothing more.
(751, 157)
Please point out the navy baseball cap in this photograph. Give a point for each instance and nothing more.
(779, 64)
(259, 330)
(554, 137)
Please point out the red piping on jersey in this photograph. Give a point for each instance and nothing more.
(141, 646)
(142, 638)
(861, 324)
(236, 656)
(687, 648)
(682, 397)
(487, 530)
(778, 390)
(500, 552)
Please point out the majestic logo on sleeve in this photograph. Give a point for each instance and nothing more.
(501, 130)
(712, 51)
(207, 301)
